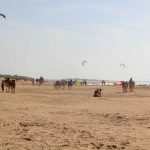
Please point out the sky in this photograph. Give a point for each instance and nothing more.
(51, 38)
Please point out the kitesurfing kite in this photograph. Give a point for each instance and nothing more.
(83, 62)
(3, 15)
(122, 65)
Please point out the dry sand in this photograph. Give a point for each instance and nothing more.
(41, 118)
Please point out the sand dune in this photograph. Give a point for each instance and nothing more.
(41, 118)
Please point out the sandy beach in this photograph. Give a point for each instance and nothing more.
(41, 118)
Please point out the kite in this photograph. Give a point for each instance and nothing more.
(3, 15)
(83, 62)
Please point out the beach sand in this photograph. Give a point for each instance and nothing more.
(41, 118)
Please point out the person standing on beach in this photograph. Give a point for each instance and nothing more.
(33, 82)
(2, 86)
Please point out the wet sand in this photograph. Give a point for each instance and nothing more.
(41, 118)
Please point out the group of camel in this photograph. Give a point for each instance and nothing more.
(60, 84)
(128, 85)
(10, 85)
(125, 86)
(39, 81)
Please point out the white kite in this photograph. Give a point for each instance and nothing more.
(83, 62)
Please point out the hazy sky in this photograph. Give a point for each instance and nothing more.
(52, 37)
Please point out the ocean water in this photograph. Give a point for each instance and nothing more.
(147, 83)
(144, 83)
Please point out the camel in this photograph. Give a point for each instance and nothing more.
(70, 84)
(131, 85)
(10, 85)
(60, 84)
(57, 85)
(40, 81)
(97, 92)
(124, 86)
